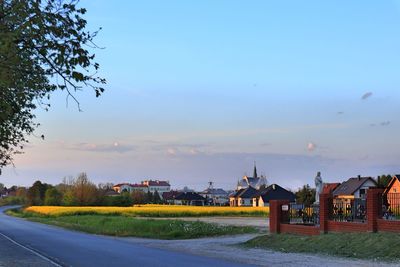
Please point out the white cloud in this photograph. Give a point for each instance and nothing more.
(171, 151)
(311, 146)
(114, 147)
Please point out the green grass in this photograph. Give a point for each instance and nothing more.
(117, 225)
(371, 246)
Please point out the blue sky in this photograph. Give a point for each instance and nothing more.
(198, 90)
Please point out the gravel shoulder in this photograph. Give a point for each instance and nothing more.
(227, 248)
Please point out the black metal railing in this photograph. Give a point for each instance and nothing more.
(349, 210)
(301, 214)
(391, 206)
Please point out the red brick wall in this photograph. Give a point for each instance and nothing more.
(373, 224)
(325, 201)
(388, 226)
(374, 206)
(275, 215)
(333, 226)
(299, 229)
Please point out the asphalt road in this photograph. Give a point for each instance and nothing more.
(24, 243)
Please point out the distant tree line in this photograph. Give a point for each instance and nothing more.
(79, 191)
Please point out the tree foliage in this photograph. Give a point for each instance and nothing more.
(52, 197)
(84, 191)
(44, 47)
(305, 195)
(36, 193)
(383, 180)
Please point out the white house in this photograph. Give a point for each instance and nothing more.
(156, 185)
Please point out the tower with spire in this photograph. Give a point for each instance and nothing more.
(255, 171)
(255, 181)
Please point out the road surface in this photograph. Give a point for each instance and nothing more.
(24, 243)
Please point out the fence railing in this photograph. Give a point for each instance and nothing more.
(349, 210)
(391, 206)
(301, 214)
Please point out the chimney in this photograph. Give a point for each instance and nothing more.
(273, 187)
(359, 177)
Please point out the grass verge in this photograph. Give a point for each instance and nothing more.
(117, 225)
(371, 246)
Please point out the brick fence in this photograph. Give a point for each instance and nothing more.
(279, 218)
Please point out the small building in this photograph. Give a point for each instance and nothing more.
(272, 192)
(189, 199)
(243, 197)
(215, 196)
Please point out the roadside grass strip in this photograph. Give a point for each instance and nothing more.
(123, 226)
(371, 246)
(153, 211)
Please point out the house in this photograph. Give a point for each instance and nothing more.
(156, 185)
(139, 187)
(243, 197)
(111, 193)
(189, 198)
(215, 196)
(392, 194)
(272, 192)
(354, 188)
(169, 197)
(126, 187)
(393, 186)
(255, 181)
(328, 188)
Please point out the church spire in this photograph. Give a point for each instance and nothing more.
(255, 171)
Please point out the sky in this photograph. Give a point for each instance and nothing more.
(200, 90)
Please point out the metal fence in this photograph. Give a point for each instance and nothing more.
(301, 214)
(391, 206)
(349, 210)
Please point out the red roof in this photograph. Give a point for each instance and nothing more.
(158, 183)
(329, 187)
(138, 185)
(119, 185)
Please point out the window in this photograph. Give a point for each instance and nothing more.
(362, 193)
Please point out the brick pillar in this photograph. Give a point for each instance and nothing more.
(275, 215)
(374, 206)
(325, 205)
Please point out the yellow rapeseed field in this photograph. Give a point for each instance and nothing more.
(152, 211)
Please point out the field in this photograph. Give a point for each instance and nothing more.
(152, 211)
(117, 225)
